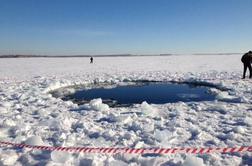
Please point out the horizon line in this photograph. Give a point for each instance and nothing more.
(105, 55)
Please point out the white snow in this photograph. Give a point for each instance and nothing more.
(29, 114)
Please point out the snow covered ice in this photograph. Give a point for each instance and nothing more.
(29, 113)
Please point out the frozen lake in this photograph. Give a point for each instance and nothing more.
(31, 115)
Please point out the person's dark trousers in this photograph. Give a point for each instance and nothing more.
(247, 65)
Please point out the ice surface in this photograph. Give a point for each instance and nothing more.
(29, 114)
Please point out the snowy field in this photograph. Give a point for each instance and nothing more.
(29, 114)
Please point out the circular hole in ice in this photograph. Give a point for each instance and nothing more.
(126, 94)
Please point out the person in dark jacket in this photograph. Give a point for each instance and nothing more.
(91, 60)
(246, 60)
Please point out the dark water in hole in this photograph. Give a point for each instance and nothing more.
(155, 93)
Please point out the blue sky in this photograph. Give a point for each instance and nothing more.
(64, 27)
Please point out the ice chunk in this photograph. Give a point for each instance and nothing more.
(139, 144)
(9, 123)
(239, 129)
(3, 110)
(145, 126)
(97, 105)
(148, 125)
(3, 132)
(124, 119)
(248, 121)
(112, 117)
(218, 108)
(224, 96)
(149, 110)
(109, 135)
(117, 162)
(130, 136)
(165, 136)
(55, 85)
(34, 140)
(193, 161)
(8, 157)
(5, 104)
(135, 126)
(92, 160)
(153, 161)
(60, 157)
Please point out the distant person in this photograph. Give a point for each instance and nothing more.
(246, 60)
(91, 60)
